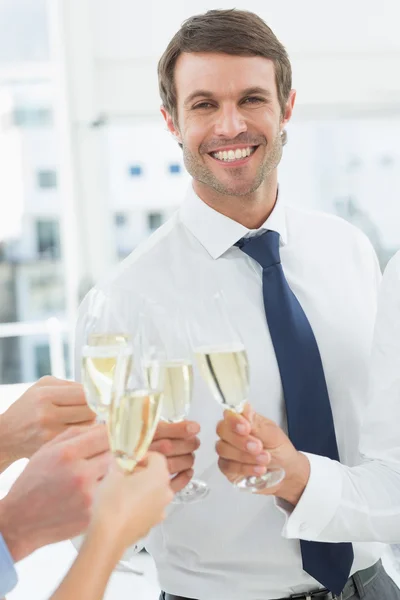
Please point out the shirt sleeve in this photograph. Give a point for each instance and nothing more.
(362, 503)
(8, 574)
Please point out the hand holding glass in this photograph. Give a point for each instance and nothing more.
(223, 362)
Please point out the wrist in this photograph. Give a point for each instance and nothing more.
(294, 485)
(10, 533)
(108, 534)
(11, 449)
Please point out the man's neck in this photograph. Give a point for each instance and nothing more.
(251, 211)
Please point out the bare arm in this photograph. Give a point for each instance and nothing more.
(127, 507)
(88, 577)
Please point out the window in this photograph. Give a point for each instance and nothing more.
(46, 289)
(135, 170)
(154, 220)
(120, 219)
(174, 168)
(43, 363)
(33, 117)
(42, 360)
(48, 239)
(47, 179)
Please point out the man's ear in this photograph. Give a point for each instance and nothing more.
(170, 124)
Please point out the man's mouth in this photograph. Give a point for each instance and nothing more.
(233, 155)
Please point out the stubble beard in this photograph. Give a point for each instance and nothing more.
(197, 168)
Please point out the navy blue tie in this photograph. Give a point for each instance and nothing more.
(308, 409)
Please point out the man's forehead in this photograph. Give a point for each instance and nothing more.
(217, 73)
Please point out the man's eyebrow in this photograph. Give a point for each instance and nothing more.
(257, 90)
(198, 94)
(207, 94)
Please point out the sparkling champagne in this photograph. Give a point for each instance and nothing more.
(99, 360)
(226, 371)
(132, 423)
(176, 378)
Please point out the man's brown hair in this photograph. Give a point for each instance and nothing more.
(235, 32)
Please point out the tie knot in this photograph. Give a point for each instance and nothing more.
(263, 248)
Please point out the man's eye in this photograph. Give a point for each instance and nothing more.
(253, 100)
(203, 105)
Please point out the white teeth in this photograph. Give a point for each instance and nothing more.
(232, 155)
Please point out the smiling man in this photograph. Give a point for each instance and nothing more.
(301, 289)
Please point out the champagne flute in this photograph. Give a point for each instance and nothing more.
(223, 363)
(104, 342)
(134, 413)
(168, 355)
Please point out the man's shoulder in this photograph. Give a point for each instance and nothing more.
(324, 226)
(392, 270)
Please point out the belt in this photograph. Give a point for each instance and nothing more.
(353, 583)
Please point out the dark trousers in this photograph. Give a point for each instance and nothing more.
(382, 587)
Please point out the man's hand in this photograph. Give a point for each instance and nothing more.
(128, 506)
(51, 500)
(177, 441)
(249, 443)
(44, 411)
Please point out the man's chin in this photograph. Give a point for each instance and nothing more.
(238, 189)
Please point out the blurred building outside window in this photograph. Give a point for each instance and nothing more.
(48, 239)
(174, 168)
(33, 117)
(154, 220)
(42, 359)
(120, 219)
(135, 170)
(47, 179)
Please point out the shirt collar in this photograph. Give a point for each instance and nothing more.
(216, 232)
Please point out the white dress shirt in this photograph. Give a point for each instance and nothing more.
(366, 502)
(234, 545)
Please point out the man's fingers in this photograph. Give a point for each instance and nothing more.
(49, 380)
(181, 481)
(238, 423)
(172, 447)
(99, 465)
(178, 464)
(69, 433)
(268, 432)
(243, 443)
(90, 443)
(155, 461)
(233, 469)
(76, 414)
(67, 395)
(229, 452)
(183, 430)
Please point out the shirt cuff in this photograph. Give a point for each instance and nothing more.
(318, 503)
(8, 574)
